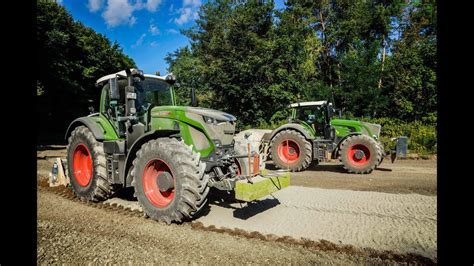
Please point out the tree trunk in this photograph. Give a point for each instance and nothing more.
(383, 61)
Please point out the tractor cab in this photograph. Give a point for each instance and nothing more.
(149, 91)
(315, 116)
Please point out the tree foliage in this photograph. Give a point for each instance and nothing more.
(70, 58)
(372, 58)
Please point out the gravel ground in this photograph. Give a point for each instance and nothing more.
(71, 232)
(323, 202)
(403, 176)
(404, 223)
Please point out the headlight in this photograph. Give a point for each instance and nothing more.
(209, 120)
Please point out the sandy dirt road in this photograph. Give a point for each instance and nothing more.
(321, 204)
(72, 232)
(403, 176)
(405, 223)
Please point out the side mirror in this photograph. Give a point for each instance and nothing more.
(330, 111)
(114, 91)
(194, 101)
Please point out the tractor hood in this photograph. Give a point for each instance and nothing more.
(363, 127)
(219, 116)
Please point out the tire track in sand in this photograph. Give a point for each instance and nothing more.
(405, 223)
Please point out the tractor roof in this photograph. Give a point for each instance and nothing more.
(316, 103)
(124, 74)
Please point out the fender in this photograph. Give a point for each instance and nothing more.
(96, 130)
(292, 126)
(131, 154)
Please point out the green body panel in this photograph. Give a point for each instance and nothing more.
(166, 117)
(103, 95)
(345, 127)
(309, 129)
(104, 124)
(260, 187)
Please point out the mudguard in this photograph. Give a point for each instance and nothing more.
(96, 130)
(293, 126)
(137, 145)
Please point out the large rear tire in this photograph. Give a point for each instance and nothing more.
(87, 166)
(169, 180)
(359, 154)
(381, 152)
(290, 150)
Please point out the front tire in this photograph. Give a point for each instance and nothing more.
(169, 180)
(359, 154)
(290, 150)
(87, 166)
(381, 152)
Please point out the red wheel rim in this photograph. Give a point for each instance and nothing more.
(82, 165)
(351, 154)
(288, 151)
(151, 189)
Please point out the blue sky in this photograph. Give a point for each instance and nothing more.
(147, 30)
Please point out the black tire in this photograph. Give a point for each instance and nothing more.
(305, 151)
(187, 170)
(371, 154)
(98, 188)
(381, 152)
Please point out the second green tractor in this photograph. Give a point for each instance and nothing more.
(312, 135)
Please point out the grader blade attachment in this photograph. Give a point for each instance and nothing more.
(260, 186)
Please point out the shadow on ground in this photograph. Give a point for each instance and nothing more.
(50, 147)
(242, 210)
(314, 167)
(336, 168)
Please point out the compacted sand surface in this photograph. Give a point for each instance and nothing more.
(404, 223)
(389, 216)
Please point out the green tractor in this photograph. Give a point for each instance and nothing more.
(312, 135)
(171, 155)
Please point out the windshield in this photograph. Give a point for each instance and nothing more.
(152, 92)
(310, 114)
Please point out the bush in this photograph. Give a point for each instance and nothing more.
(422, 136)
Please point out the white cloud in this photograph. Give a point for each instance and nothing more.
(193, 3)
(154, 30)
(133, 20)
(152, 5)
(95, 5)
(138, 5)
(118, 12)
(154, 44)
(188, 12)
(139, 41)
(173, 31)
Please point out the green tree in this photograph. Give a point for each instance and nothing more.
(372, 58)
(70, 57)
(232, 41)
(411, 88)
